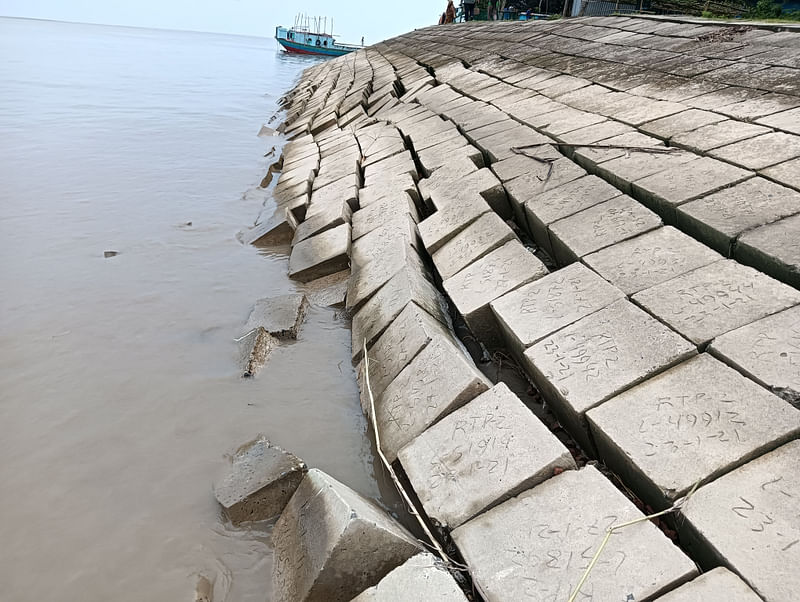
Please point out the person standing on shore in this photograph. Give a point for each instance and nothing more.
(492, 10)
(469, 10)
(450, 12)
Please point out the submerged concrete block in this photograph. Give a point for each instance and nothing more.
(329, 290)
(257, 345)
(481, 237)
(538, 545)
(700, 415)
(260, 481)
(491, 449)
(422, 577)
(331, 543)
(547, 305)
(277, 230)
(280, 316)
(438, 380)
(598, 357)
(495, 274)
(716, 298)
(768, 351)
(321, 255)
(716, 584)
(747, 521)
(649, 259)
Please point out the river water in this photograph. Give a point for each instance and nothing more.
(119, 378)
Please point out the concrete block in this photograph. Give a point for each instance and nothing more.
(747, 521)
(434, 157)
(598, 357)
(445, 183)
(551, 303)
(331, 543)
(259, 482)
(492, 276)
(385, 185)
(768, 351)
(774, 249)
(717, 135)
(715, 299)
(321, 255)
(255, 347)
(339, 192)
(275, 231)
(329, 291)
(649, 259)
(761, 151)
(721, 217)
(456, 214)
(498, 147)
(374, 245)
(538, 545)
(623, 169)
(422, 577)
(787, 173)
(379, 213)
(685, 121)
(487, 451)
(481, 237)
(599, 227)
(554, 204)
(409, 284)
(716, 584)
(322, 217)
(280, 316)
(700, 415)
(438, 380)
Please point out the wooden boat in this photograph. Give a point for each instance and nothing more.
(309, 36)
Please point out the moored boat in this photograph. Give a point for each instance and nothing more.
(309, 36)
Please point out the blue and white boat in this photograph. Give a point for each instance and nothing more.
(309, 36)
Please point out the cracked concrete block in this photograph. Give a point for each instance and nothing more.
(422, 577)
(715, 299)
(649, 259)
(440, 379)
(321, 255)
(261, 479)
(598, 357)
(280, 316)
(598, 227)
(747, 521)
(539, 544)
(332, 543)
(456, 214)
(768, 351)
(551, 303)
(255, 348)
(492, 276)
(482, 454)
(700, 415)
(481, 237)
(716, 584)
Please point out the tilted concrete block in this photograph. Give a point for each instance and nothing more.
(280, 316)
(321, 255)
(716, 584)
(422, 577)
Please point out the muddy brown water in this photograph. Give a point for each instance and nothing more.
(120, 388)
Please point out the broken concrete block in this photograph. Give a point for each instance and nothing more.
(700, 415)
(538, 309)
(257, 346)
(438, 380)
(321, 255)
(261, 479)
(649, 259)
(566, 519)
(279, 316)
(598, 227)
(774, 249)
(598, 357)
(277, 230)
(485, 452)
(716, 298)
(495, 274)
(768, 351)
(747, 521)
(716, 584)
(331, 543)
(451, 219)
(481, 237)
(422, 577)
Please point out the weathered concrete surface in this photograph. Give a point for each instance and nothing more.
(539, 544)
(768, 351)
(422, 577)
(451, 219)
(495, 274)
(716, 584)
(321, 255)
(276, 230)
(491, 449)
(480, 238)
(753, 504)
(716, 298)
(438, 380)
(331, 543)
(774, 249)
(329, 290)
(280, 316)
(700, 415)
(599, 356)
(649, 259)
(257, 347)
(260, 481)
(382, 211)
(547, 305)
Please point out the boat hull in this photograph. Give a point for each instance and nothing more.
(307, 49)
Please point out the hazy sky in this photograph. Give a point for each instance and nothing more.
(353, 18)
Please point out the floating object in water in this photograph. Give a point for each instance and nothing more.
(108, 254)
